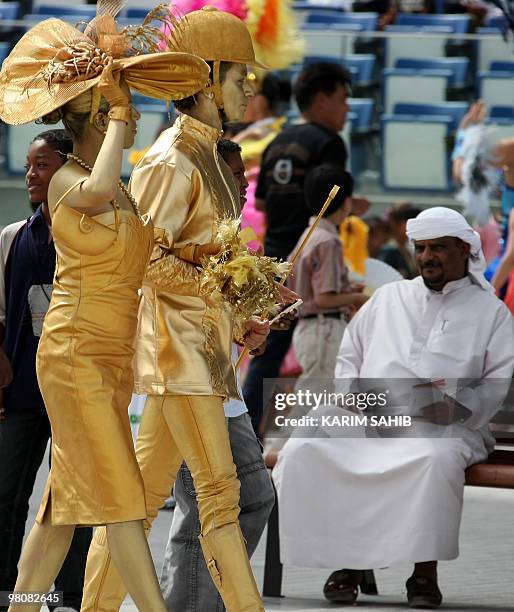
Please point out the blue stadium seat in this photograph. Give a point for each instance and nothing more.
(139, 100)
(457, 65)
(416, 44)
(492, 48)
(320, 26)
(51, 10)
(494, 88)
(31, 19)
(501, 112)
(498, 21)
(497, 66)
(9, 10)
(407, 85)
(361, 114)
(333, 26)
(335, 40)
(458, 23)
(454, 110)
(415, 154)
(429, 29)
(336, 5)
(136, 13)
(361, 66)
(4, 51)
(368, 21)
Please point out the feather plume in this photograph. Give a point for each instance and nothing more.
(110, 7)
(103, 31)
(163, 29)
(278, 42)
(272, 24)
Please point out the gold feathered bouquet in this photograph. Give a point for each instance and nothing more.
(239, 276)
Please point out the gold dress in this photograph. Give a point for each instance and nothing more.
(184, 339)
(84, 366)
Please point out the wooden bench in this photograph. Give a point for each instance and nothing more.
(497, 471)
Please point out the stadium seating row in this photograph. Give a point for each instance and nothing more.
(412, 89)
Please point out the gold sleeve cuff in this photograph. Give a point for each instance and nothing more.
(188, 253)
(120, 113)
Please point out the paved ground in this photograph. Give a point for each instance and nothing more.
(482, 578)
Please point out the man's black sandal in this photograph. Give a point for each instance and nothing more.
(342, 586)
(423, 593)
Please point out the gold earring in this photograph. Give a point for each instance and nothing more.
(208, 90)
(103, 132)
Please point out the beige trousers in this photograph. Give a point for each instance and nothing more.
(316, 344)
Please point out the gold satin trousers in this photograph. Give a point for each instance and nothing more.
(192, 428)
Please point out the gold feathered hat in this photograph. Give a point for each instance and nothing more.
(54, 62)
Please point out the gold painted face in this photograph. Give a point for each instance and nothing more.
(236, 91)
(131, 130)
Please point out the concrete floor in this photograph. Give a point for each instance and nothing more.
(482, 578)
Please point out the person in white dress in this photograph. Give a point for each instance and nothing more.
(447, 339)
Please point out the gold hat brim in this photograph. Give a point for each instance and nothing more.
(25, 96)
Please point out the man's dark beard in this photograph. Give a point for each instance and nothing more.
(431, 284)
(34, 206)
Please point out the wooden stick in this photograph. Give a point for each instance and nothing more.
(294, 258)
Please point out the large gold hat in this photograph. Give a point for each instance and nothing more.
(215, 35)
(54, 62)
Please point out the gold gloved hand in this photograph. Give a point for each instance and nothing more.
(109, 87)
(194, 253)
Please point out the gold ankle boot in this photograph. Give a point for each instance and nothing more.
(227, 561)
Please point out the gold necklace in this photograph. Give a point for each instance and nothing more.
(121, 185)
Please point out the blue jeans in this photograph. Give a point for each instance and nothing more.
(185, 581)
(23, 440)
(265, 366)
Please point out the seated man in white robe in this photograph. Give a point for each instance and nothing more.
(385, 500)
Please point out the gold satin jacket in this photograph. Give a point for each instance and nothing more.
(184, 339)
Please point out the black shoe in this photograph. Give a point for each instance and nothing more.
(423, 593)
(342, 586)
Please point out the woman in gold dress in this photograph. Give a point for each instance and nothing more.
(103, 245)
